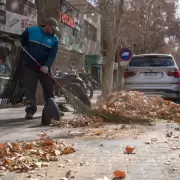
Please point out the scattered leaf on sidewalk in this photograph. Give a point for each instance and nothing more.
(67, 160)
(169, 134)
(147, 142)
(68, 150)
(99, 132)
(1, 146)
(68, 174)
(61, 165)
(129, 150)
(41, 175)
(27, 156)
(120, 174)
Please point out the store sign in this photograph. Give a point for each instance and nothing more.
(16, 23)
(68, 20)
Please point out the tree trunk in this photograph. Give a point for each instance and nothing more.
(121, 77)
(107, 79)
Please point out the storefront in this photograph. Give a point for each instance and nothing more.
(94, 65)
(72, 36)
(15, 17)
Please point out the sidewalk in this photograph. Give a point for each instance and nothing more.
(159, 160)
(14, 126)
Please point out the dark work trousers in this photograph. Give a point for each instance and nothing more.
(31, 79)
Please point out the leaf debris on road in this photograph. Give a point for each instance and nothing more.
(26, 156)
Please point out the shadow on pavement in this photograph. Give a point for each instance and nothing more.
(18, 120)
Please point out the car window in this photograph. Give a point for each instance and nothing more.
(152, 61)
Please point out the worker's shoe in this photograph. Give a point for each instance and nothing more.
(29, 116)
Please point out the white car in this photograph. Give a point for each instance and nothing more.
(154, 74)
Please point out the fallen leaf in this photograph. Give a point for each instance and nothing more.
(27, 156)
(68, 150)
(60, 165)
(99, 132)
(9, 162)
(120, 174)
(68, 174)
(54, 158)
(40, 175)
(2, 146)
(67, 160)
(147, 142)
(48, 142)
(129, 150)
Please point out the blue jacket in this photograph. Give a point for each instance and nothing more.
(42, 46)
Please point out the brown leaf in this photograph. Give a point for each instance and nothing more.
(129, 150)
(54, 158)
(68, 150)
(99, 132)
(68, 174)
(2, 146)
(119, 173)
(48, 142)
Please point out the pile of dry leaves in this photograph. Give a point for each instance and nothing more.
(26, 156)
(79, 122)
(137, 105)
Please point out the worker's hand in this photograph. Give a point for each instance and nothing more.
(44, 69)
(17, 43)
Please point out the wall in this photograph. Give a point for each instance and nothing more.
(93, 47)
(71, 49)
(16, 15)
(90, 47)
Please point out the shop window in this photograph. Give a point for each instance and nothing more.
(90, 32)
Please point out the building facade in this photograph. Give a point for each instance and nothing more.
(15, 16)
(71, 47)
(93, 60)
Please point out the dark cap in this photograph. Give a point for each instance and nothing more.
(53, 23)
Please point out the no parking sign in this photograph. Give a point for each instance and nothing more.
(125, 54)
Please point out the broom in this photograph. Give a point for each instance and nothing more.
(75, 102)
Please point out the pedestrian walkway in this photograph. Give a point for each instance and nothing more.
(13, 125)
(155, 158)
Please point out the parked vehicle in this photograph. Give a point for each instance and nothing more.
(65, 79)
(89, 80)
(154, 74)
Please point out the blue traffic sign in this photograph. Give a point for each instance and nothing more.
(125, 54)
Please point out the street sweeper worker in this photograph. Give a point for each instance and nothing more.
(42, 43)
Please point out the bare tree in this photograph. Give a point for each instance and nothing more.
(111, 12)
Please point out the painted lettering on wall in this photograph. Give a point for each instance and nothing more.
(25, 24)
(68, 20)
